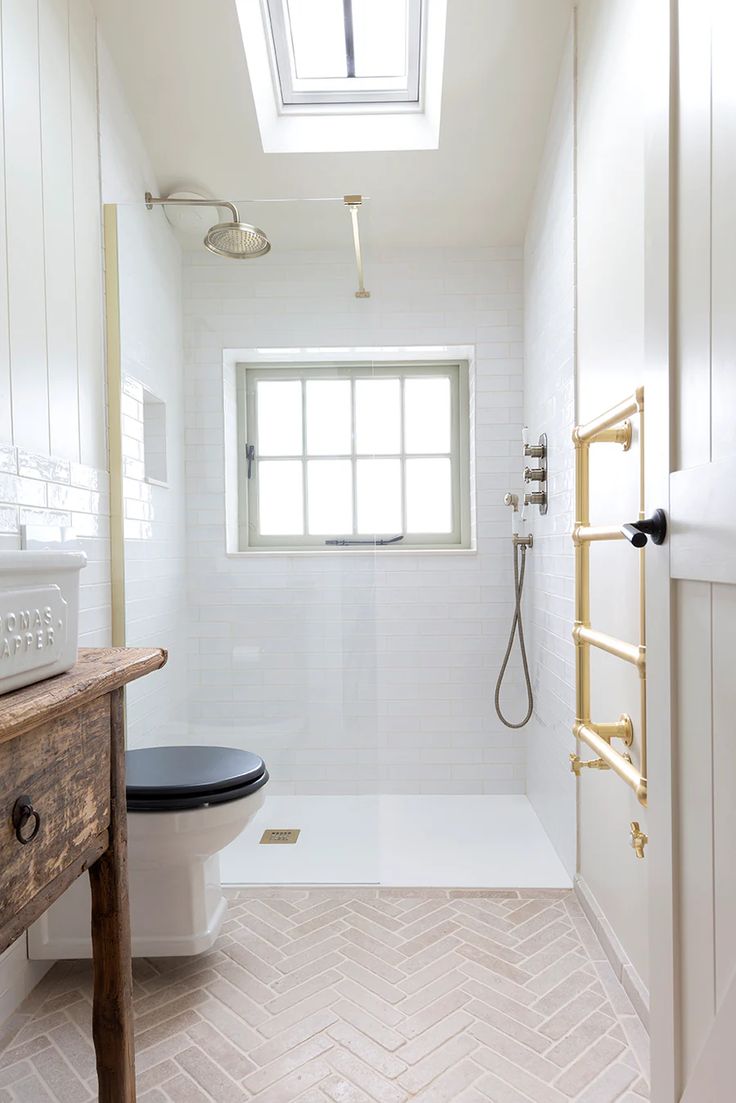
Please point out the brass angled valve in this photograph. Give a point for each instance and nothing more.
(638, 839)
(577, 764)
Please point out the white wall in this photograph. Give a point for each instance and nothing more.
(610, 265)
(549, 407)
(371, 673)
(52, 407)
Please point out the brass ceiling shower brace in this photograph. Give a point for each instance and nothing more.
(612, 427)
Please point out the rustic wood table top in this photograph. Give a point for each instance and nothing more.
(63, 813)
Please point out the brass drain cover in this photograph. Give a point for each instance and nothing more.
(280, 835)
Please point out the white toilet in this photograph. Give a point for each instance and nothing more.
(185, 804)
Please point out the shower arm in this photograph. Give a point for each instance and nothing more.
(153, 200)
(352, 202)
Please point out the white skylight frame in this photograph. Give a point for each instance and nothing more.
(403, 91)
(343, 128)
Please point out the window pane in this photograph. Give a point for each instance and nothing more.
(379, 34)
(328, 417)
(377, 416)
(318, 38)
(428, 496)
(379, 496)
(280, 418)
(427, 415)
(280, 498)
(330, 497)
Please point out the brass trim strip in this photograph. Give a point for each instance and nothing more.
(629, 652)
(115, 431)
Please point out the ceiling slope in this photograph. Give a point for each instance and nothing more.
(183, 69)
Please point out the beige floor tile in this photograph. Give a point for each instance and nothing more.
(356, 996)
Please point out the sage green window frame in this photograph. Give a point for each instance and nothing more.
(456, 371)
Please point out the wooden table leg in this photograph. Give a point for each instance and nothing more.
(113, 1004)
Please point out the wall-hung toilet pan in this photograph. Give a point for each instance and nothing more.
(185, 804)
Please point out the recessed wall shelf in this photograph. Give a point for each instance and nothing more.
(154, 439)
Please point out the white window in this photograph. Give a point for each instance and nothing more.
(347, 51)
(335, 456)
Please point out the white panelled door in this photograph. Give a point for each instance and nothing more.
(691, 412)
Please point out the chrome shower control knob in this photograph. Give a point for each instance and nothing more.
(536, 498)
(535, 451)
(535, 474)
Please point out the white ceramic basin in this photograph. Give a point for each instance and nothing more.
(39, 615)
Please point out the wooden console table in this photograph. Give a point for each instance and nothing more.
(62, 812)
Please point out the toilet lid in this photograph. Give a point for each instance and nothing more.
(191, 774)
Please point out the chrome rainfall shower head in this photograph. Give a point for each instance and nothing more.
(237, 240)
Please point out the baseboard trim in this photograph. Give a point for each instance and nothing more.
(18, 977)
(625, 972)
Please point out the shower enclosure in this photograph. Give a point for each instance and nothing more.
(362, 674)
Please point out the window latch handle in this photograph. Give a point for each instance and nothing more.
(250, 455)
(348, 543)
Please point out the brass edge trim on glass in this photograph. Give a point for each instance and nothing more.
(612, 426)
(113, 359)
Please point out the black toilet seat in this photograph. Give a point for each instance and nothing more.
(172, 779)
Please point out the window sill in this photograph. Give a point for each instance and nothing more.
(374, 552)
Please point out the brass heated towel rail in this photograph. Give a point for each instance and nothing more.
(613, 427)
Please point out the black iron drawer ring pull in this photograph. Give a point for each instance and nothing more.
(24, 814)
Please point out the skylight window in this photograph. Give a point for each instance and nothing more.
(347, 51)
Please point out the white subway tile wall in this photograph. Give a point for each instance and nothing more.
(549, 407)
(36, 489)
(356, 673)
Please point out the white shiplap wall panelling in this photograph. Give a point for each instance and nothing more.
(25, 224)
(58, 225)
(51, 364)
(6, 415)
(87, 234)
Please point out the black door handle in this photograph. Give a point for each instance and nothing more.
(637, 532)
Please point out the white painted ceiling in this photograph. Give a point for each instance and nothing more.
(184, 73)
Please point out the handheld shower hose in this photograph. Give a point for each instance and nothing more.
(516, 626)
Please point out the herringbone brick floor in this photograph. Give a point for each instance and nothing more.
(357, 996)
